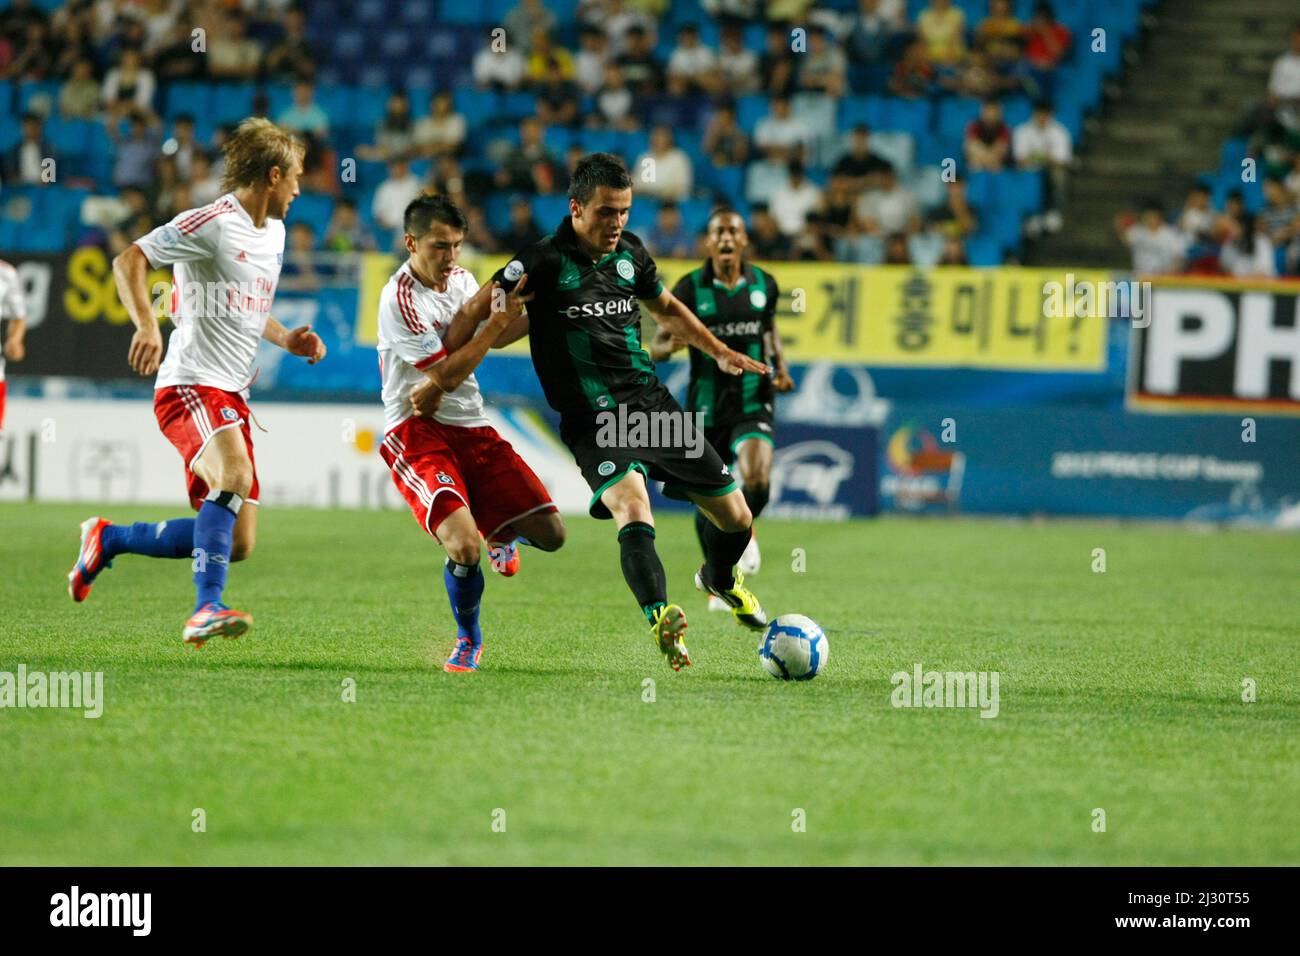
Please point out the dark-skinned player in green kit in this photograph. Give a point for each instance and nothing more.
(584, 328)
(737, 301)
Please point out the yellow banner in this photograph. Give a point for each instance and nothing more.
(1009, 318)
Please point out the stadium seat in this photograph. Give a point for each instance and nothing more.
(314, 209)
(550, 210)
(983, 251)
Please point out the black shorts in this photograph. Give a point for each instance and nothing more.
(727, 436)
(684, 461)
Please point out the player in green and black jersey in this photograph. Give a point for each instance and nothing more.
(584, 327)
(736, 301)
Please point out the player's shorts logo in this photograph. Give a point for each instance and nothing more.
(230, 415)
(758, 298)
(445, 478)
(603, 401)
(605, 469)
(514, 269)
(624, 269)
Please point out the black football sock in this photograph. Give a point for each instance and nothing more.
(722, 549)
(701, 523)
(642, 568)
(756, 497)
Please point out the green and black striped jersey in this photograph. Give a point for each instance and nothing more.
(584, 323)
(740, 317)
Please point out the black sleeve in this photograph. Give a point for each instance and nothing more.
(769, 311)
(538, 260)
(647, 284)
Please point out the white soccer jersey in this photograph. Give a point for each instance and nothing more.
(12, 303)
(225, 272)
(413, 318)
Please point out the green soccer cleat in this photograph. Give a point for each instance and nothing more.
(667, 628)
(742, 601)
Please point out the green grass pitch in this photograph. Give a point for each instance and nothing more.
(1119, 690)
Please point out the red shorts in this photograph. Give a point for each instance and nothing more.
(189, 415)
(2, 406)
(438, 468)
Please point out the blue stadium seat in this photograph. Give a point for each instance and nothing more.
(642, 216)
(551, 209)
(695, 214)
(749, 110)
(496, 211)
(983, 251)
(477, 106)
(314, 209)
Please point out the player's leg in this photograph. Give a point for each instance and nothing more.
(628, 500)
(226, 468)
(245, 534)
(464, 580)
(546, 532)
(726, 535)
(755, 459)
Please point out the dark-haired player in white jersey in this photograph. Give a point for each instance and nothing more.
(463, 481)
(226, 260)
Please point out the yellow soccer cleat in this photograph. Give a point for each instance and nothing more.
(742, 601)
(667, 628)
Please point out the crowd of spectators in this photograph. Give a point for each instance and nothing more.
(1233, 240)
(812, 198)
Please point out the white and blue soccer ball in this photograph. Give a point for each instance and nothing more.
(794, 648)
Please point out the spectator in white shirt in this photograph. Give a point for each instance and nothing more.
(1158, 248)
(737, 65)
(664, 171)
(392, 198)
(442, 132)
(889, 210)
(792, 202)
(1248, 254)
(591, 59)
(781, 136)
(1196, 222)
(1284, 84)
(692, 66)
(499, 70)
(1043, 143)
(128, 87)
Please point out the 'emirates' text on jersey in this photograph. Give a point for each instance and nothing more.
(224, 273)
(413, 319)
(741, 317)
(584, 324)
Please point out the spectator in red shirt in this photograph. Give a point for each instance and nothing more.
(988, 140)
(1047, 41)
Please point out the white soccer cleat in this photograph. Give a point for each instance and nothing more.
(751, 560)
(717, 604)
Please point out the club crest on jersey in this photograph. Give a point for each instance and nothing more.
(758, 298)
(514, 269)
(624, 269)
(242, 257)
(230, 415)
(605, 469)
(445, 478)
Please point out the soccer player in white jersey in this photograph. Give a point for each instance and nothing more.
(13, 307)
(225, 260)
(463, 481)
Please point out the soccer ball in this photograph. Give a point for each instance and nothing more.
(794, 648)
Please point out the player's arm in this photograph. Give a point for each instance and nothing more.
(14, 348)
(131, 274)
(781, 380)
(446, 375)
(300, 341)
(673, 315)
(664, 344)
(479, 306)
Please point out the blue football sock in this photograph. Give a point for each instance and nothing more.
(213, 531)
(465, 591)
(155, 539)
